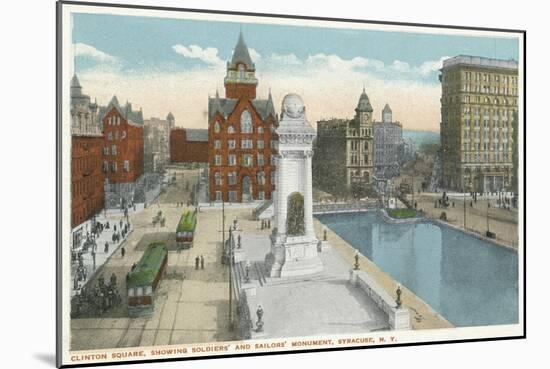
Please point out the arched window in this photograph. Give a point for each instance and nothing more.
(216, 127)
(260, 178)
(242, 70)
(246, 122)
(230, 129)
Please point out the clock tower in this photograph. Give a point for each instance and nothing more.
(240, 80)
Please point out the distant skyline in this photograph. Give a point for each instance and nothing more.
(165, 64)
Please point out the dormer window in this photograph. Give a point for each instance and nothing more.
(216, 127)
(242, 70)
(230, 130)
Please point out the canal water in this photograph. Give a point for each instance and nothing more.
(468, 281)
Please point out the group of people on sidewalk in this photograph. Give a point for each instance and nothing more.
(199, 260)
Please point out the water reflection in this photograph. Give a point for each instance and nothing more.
(467, 280)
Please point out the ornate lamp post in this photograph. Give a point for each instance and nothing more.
(260, 323)
(398, 301)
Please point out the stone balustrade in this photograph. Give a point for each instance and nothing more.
(399, 318)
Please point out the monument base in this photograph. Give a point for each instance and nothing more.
(293, 256)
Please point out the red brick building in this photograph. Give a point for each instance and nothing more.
(188, 145)
(241, 135)
(87, 194)
(122, 150)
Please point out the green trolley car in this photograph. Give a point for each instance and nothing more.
(143, 279)
(186, 229)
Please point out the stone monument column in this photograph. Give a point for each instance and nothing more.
(308, 195)
(293, 242)
(280, 210)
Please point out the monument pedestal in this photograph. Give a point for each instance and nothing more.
(293, 256)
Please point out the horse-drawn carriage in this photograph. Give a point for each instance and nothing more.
(159, 219)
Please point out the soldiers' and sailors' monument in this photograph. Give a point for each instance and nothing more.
(293, 242)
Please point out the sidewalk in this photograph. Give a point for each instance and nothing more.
(101, 257)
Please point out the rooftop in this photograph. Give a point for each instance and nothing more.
(479, 61)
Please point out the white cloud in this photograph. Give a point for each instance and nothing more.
(208, 55)
(254, 55)
(329, 84)
(431, 66)
(85, 50)
(400, 66)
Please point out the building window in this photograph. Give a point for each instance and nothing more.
(105, 166)
(126, 166)
(260, 178)
(273, 144)
(218, 160)
(246, 122)
(247, 160)
(246, 144)
(217, 179)
(260, 160)
(260, 130)
(217, 144)
(272, 160)
(216, 127)
(231, 144)
(230, 130)
(149, 290)
(218, 196)
(232, 178)
(113, 150)
(232, 160)
(113, 167)
(106, 150)
(260, 144)
(261, 195)
(232, 196)
(110, 136)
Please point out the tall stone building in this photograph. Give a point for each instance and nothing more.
(388, 145)
(87, 195)
(123, 164)
(156, 141)
(346, 147)
(241, 135)
(478, 103)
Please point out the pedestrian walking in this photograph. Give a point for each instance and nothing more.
(202, 262)
(106, 247)
(122, 251)
(197, 261)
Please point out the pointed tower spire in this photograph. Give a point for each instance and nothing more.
(270, 107)
(241, 54)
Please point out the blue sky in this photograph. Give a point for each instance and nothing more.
(134, 47)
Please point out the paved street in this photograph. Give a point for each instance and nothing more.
(501, 221)
(191, 305)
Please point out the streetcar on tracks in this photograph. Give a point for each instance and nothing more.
(185, 232)
(143, 279)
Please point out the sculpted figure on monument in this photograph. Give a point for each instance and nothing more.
(295, 217)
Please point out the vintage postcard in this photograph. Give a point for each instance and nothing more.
(235, 184)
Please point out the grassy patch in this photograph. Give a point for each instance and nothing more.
(401, 213)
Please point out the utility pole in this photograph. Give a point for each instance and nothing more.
(488, 206)
(464, 194)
